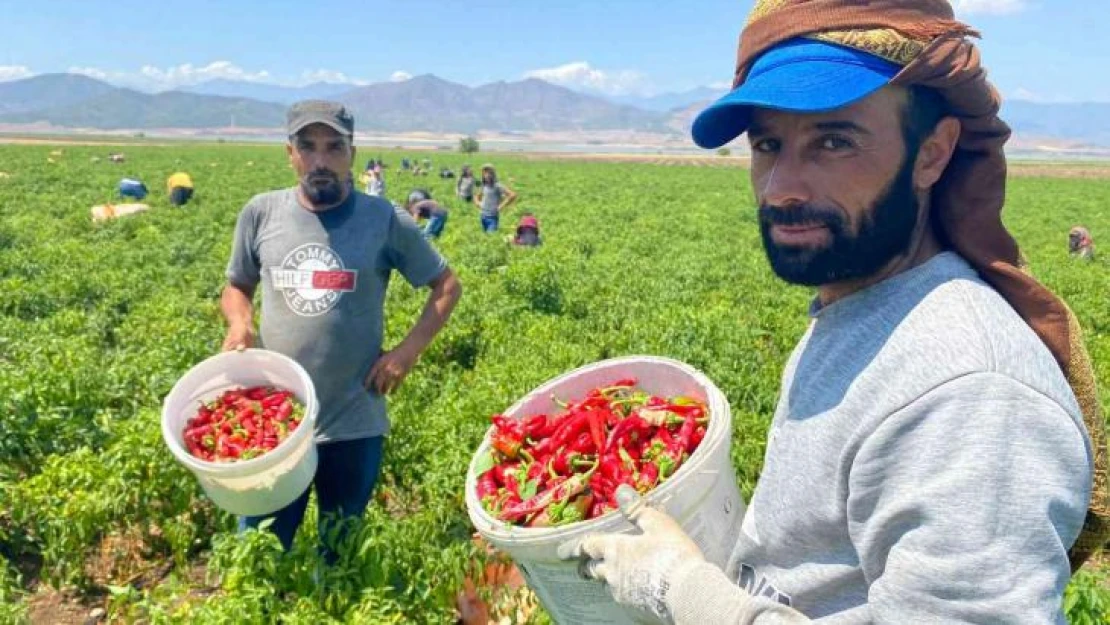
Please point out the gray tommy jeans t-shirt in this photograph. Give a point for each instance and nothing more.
(927, 462)
(324, 277)
(491, 199)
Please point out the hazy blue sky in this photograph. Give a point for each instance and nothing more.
(1037, 49)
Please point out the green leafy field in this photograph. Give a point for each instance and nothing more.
(97, 321)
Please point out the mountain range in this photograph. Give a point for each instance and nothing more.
(429, 103)
(423, 103)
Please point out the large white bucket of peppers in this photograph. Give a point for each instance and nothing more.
(550, 464)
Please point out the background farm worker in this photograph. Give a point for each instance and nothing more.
(464, 185)
(323, 254)
(375, 183)
(527, 231)
(422, 207)
(132, 188)
(180, 187)
(492, 198)
(1080, 243)
(928, 460)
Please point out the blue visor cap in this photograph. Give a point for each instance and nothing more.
(798, 75)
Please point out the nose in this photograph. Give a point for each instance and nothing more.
(784, 185)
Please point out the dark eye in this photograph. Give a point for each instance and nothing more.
(766, 146)
(835, 142)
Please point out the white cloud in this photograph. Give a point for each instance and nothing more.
(1021, 93)
(988, 7)
(151, 78)
(581, 74)
(91, 72)
(399, 76)
(720, 84)
(188, 74)
(14, 72)
(328, 75)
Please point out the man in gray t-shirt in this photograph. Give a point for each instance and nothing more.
(323, 254)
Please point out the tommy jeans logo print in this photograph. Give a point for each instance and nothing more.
(312, 279)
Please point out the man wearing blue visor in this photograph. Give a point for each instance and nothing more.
(929, 460)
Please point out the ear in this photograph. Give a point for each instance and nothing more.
(935, 153)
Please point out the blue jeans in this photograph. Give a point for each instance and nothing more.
(435, 226)
(345, 476)
(489, 223)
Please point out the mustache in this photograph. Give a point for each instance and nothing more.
(804, 214)
(321, 173)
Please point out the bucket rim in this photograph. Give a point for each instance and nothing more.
(239, 468)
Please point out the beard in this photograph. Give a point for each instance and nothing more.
(884, 233)
(323, 188)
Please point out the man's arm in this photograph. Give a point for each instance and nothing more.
(236, 305)
(510, 196)
(963, 504)
(445, 293)
(243, 275)
(392, 367)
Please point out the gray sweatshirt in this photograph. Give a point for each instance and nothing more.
(927, 462)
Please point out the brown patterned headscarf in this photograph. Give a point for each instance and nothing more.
(933, 47)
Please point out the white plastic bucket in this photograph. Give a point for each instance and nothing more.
(703, 495)
(271, 481)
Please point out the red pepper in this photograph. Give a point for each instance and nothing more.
(284, 411)
(539, 427)
(686, 433)
(583, 444)
(598, 507)
(611, 466)
(487, 485)
(566, 432)
(507, 443)
(501, 471)
(561, 462)
(624, 429)
(697, 438)
(537, 472)
(558, 491)
(597, 430)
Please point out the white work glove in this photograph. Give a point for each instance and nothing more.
(638, 569)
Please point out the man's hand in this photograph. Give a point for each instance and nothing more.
(390, 370)
(637, 569)
(238, 337)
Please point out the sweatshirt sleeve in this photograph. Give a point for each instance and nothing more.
(704, 594)
(962, 505)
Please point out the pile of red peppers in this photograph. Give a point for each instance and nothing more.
(552, 470)
(242, 424)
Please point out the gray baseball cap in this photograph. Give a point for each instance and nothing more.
(309, 112)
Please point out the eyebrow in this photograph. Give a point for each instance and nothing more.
(842, 125)
(757, 130)
(330, 143)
